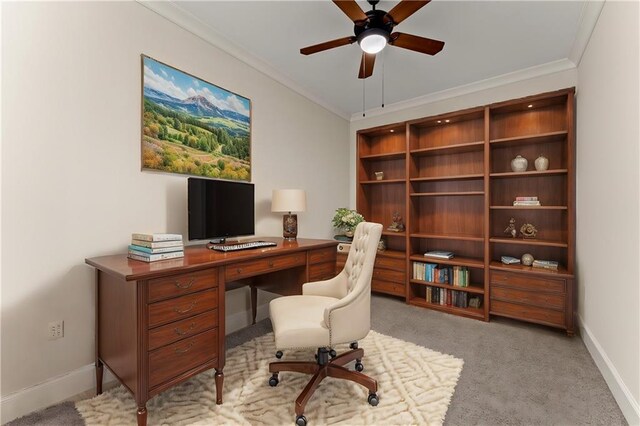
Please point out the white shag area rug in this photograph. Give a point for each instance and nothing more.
(415, 386)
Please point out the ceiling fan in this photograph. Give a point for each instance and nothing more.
(372, 31)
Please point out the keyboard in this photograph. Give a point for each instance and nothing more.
(242, 246)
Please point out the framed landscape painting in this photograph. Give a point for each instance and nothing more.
(193, 127)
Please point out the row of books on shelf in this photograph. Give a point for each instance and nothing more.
(457, 276)
(446, 297)
(154, 247)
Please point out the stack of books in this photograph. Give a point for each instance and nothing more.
(545, 264)
(154, 247)
(439, 254)
(509, 260)
(527, 201)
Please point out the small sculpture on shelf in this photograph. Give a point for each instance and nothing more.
(382, 245)
(528, 231)
(527, 259)
(396, 223)
(511, 229)
(379, 175)
(519, 164)
(541, 163)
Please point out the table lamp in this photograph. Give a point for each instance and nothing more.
(289, 200)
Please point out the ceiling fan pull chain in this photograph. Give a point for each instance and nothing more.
(363, 80)
(382, 78)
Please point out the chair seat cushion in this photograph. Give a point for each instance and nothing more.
(298, 321)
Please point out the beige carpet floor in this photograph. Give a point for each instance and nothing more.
(415, 387)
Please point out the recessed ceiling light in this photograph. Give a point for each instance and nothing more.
(439, 121)
(530, 106)
(392, 130)
(446, 121)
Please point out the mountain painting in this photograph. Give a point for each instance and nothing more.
(193, 127)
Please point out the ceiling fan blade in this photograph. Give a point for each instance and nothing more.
(406, 8)
(366, 65)
(327, 45)
(351, 9)
(418, 44)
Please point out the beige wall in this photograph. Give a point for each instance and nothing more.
(608, 191)
(71, 180)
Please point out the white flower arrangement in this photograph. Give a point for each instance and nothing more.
(346, 219)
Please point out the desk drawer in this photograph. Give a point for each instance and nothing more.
(388, 275)
(182, 307)
(178, 285)
(261, 266)
(545, 300)
(322, 271)
(528, 282)
(322, 255)
(179, 330)
(527, 313)
(387, 287)
(170, 361)
(390, 263)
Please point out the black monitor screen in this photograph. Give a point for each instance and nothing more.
(219, 209)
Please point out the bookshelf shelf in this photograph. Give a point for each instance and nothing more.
(457, 237)
(465, 312)
(382, 182)
(461, 261)
(529, 242)
(449, 177)
(473, 288)
(445, 194)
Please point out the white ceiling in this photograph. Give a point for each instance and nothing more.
(483, 39)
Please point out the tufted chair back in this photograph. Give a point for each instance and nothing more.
(349, 319)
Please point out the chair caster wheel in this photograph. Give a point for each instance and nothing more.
(353, 345)
(301, 420)
(273, 380)
(373, 399)
(279, 354)
(359, 366)
(333, 353)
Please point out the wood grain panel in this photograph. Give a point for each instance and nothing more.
(528, 282)
(528, 313)
(182, 307)
(549, 118)
(550, 190)
(321, 271)
(178, 285)
(179, 330)
(382, 140)
(170, 361)
(463, 163)
(396, 264)
(457, 131)
(387, 287)
(453, 215)
(255, 267)
(534, 298)
(323, 255)
(389, 275)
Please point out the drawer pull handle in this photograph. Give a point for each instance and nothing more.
(182, 333)
(271, 264)
(184, 351)
(239, 270)
(187, 285)
(186, 310)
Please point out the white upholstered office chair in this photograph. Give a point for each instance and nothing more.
(329, 313)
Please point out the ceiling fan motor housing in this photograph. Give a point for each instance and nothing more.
(378, 22)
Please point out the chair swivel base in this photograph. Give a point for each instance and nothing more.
(324, 367)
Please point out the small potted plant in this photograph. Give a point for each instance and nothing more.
(346, 220)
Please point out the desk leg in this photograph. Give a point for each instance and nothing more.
(142, 415)
(99, 369)
(219, 380)
(254, 303)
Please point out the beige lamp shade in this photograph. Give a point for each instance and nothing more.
(288, 200)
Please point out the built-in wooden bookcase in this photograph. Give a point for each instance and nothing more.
(384, 149)
(447, 201)
(450, 178)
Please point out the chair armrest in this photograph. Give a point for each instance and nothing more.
(334, 287)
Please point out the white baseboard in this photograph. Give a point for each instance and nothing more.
(67, 386)
(628, 405)
(50, 392)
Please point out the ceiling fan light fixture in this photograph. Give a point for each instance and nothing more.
(373, 40)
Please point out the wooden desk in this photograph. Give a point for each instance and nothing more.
(158, 324)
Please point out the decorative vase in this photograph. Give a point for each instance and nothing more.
(382, 245)
(527, 259)
(542, 163)
(519, 164)
(379, 175)
(349, 233)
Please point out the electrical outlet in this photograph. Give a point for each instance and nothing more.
(56, 329)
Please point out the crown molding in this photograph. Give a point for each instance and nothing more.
(489, 83)
(185, 20)
(588, 19)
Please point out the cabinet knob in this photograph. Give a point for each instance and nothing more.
(239, 270)
(271, 264)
